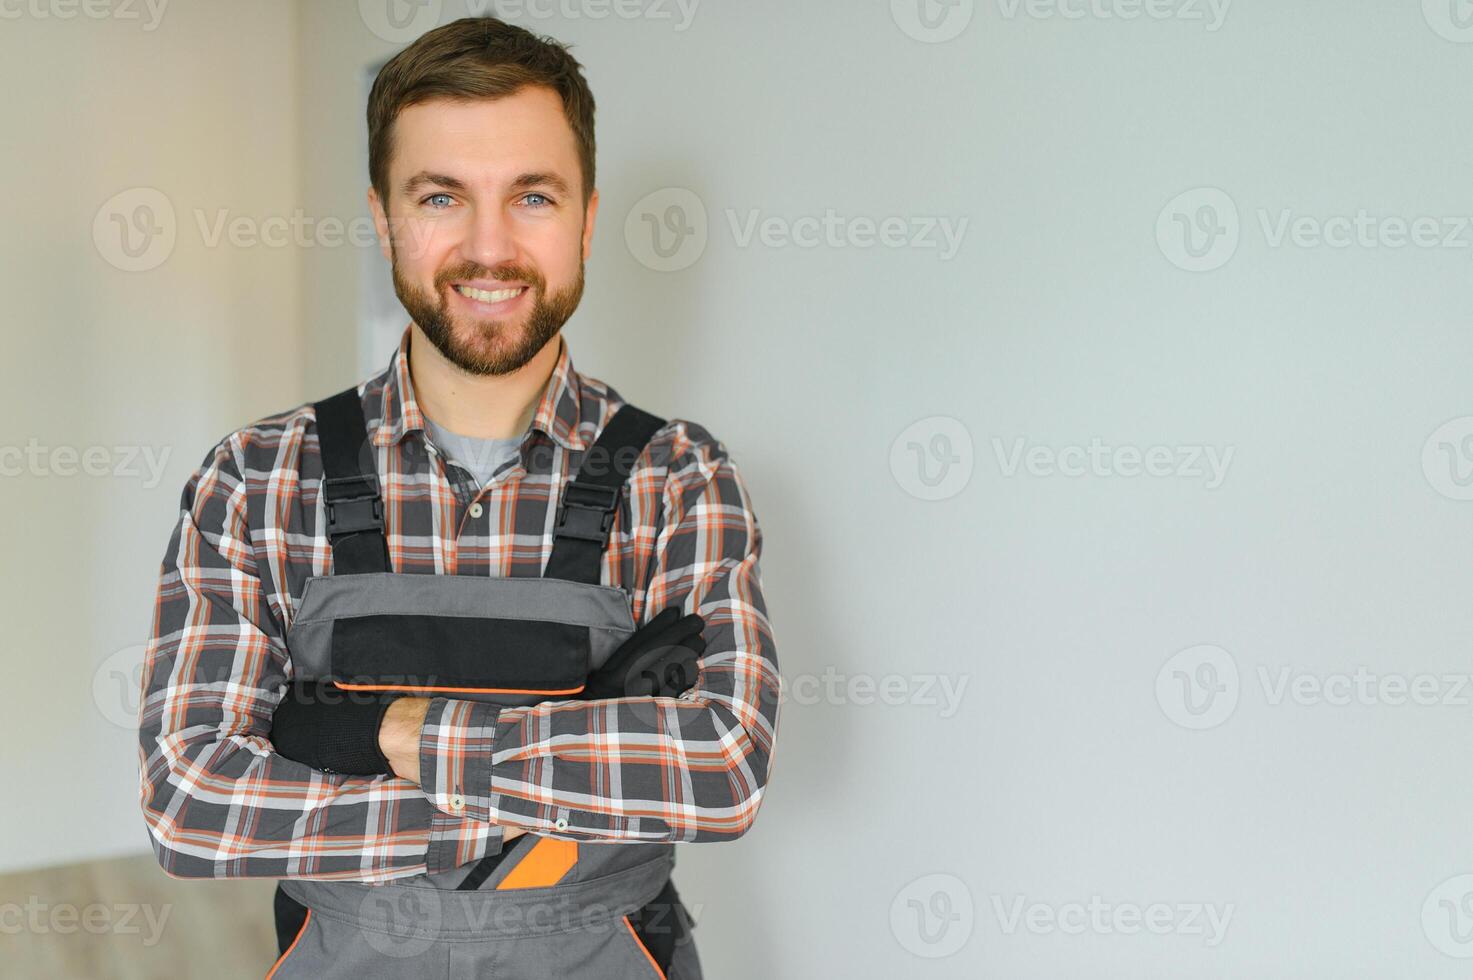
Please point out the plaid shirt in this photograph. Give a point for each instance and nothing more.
(221, 803)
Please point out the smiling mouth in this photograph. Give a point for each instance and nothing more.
(490, 296)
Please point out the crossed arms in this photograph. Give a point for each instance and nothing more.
(220, 802)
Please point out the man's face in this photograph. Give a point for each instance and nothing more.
(486, 198)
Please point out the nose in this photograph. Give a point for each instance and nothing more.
(489, 239)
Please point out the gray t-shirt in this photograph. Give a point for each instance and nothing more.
(482, 457)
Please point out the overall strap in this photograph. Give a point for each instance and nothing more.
(591, 498)
(355, 511)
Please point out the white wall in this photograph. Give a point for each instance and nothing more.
(197, 108)
(1325, 831)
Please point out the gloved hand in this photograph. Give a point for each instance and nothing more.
(323, 726)
(658, 659)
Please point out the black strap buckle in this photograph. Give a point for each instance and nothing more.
(587, 512)
(349, 512)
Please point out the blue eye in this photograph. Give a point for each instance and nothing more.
(433, 196)
(543, 196)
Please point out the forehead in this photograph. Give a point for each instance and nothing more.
(488, 139)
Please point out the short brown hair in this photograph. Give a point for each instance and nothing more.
(469, 59)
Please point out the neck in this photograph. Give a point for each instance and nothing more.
(479, 406)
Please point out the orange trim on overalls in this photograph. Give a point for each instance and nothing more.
(296, 939)
(545, 864)
(459, 690)
(643, 949)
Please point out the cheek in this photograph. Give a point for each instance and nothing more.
(556, 258)
(425, 246)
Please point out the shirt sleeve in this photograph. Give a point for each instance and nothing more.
(686, 769)
(218, 800)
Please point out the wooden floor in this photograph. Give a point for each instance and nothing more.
(128, 920)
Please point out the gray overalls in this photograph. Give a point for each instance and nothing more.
(542, 907)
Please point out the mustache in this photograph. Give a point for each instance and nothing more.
(529, 276)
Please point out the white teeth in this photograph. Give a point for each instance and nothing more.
(488, 297)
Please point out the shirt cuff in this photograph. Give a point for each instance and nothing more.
(455, 756)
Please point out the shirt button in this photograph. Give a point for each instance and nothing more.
(457, 802)
(476, 510)
(561, 823)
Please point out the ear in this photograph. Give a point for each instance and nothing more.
(380, 224)
(588, 218)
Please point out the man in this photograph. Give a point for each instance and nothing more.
(481, 528)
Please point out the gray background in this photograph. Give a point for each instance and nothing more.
(1085, 760)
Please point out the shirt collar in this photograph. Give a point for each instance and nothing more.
(558, 408)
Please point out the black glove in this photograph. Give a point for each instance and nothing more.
(323, 726)
(658, 659)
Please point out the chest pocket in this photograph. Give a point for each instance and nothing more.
(508, 640)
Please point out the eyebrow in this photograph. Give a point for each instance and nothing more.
(523, 182)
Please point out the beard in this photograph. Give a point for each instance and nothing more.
(488, 347)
